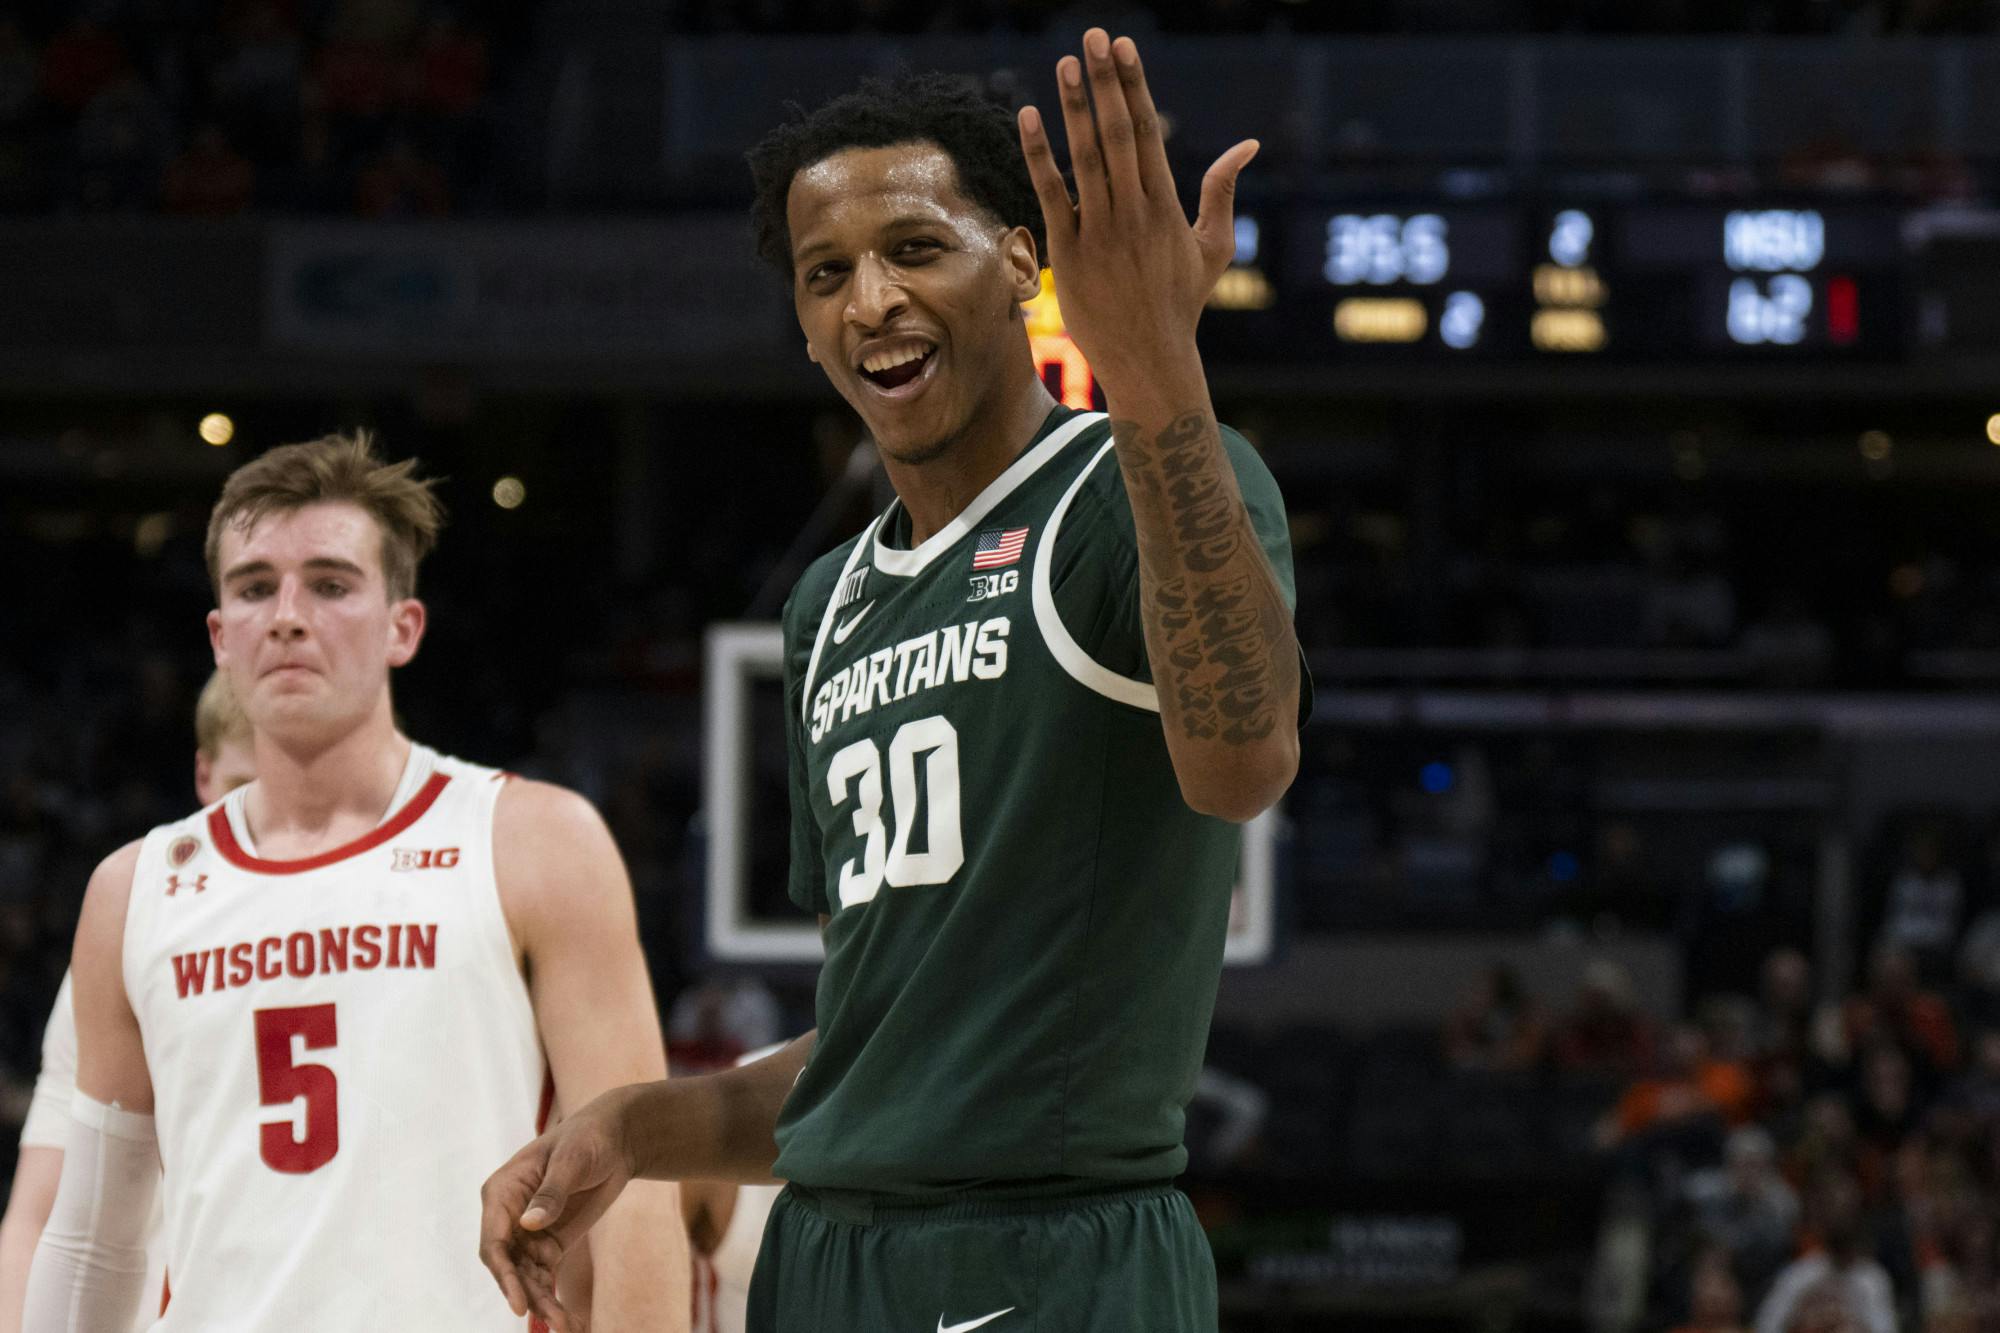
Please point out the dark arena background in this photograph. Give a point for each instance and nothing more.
(1632, 372)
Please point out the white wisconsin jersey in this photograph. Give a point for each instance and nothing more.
(342, 1050)
(47, 1126)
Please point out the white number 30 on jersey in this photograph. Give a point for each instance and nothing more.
(936, 740)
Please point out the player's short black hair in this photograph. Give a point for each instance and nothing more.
(974, 130)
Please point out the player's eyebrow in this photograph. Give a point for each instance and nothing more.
(319, 563)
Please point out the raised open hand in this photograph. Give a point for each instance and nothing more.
(1131, 274)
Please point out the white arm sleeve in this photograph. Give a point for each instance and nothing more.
(90, 1268)
(47, 1125)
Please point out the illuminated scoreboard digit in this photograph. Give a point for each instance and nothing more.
(1241, 318)
(1383, 249)
(1766, 280)
(1574, 279)
(1401, 277)
(1772, 300)
(1569, 286)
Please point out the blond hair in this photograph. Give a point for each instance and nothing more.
(218, 718)
(339, 467)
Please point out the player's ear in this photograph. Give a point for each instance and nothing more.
(812, 353)
(407, 619)
(215, 636)
(1024, 263)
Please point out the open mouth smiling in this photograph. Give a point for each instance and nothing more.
(899, 368)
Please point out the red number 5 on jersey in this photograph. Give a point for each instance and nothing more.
(280, 1082)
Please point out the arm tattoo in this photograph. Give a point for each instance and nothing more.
(1217, 630)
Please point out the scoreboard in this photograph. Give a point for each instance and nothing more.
(1391, 279)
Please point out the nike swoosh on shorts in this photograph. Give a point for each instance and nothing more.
(970, 1323)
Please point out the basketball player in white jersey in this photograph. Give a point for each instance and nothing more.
(222, 762)
(725, 1223)
(326, 1006)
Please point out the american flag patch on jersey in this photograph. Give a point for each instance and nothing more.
(997, 548)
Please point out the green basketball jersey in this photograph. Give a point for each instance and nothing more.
(1026, 918)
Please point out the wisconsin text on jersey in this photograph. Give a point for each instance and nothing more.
(305, 953)
(976, 650)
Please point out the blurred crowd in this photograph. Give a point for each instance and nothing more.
(1791, 1161)
(212, 107)
(393, 108)
(1139, 17)
(1706, 582)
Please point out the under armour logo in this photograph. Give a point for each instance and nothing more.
(195, 882)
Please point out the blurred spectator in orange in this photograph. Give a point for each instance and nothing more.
(1836, 1284)
(1690, 1085)
(209, 178)
(1498, 1026)
(1895, 1008)
(1606, 1030)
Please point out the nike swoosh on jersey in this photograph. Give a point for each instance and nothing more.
(840, 633)
(971, 1323)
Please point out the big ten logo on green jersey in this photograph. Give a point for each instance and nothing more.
(931, 805)
(976, 650)
(985, 586)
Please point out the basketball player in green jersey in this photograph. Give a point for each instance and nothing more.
(1028, 707)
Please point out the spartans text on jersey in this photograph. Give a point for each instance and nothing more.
(304, 954)
(976, 650)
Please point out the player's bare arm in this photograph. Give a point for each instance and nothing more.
(1132, 277)
(569, 903)
(712, 1127)
(110, 1056)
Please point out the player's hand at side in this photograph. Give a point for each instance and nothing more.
(540, 1204)
(1131, 274)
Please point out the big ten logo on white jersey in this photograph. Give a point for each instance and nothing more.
(424, 858)
(976, 650)
(343, 1044)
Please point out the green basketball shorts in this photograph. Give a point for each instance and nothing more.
(1133, 1261)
